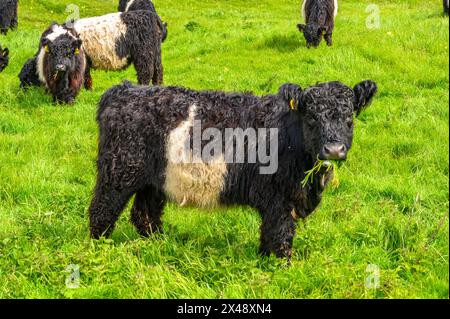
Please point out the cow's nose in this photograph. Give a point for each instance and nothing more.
(60, 67)
(334, 151)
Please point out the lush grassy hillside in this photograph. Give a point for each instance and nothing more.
(391, 209)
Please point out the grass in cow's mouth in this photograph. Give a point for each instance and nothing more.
(328, 166)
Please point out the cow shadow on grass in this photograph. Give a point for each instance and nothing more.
(283, 43)
(180, 244)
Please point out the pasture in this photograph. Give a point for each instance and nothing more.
(383, 233)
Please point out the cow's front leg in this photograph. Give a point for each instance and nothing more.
(328, 36)
(329, 39)
(65, 97)
(14, 22)
(277, 232)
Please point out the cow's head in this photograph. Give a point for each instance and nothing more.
(62, 48)
(313, 33)
(4, 58)
(326, 111)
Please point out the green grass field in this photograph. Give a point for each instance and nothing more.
(390, 212)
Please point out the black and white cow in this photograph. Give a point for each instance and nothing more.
(319, 17)
(147, 148)
(8, 15)
(4, 58)
(114, 41)
(133, 5)
(60, 65)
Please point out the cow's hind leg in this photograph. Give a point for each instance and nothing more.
(147, 210)
(87, 75)
(113, 190)
(106, 207)
(14, 21)
(158, 70)
(143, 63)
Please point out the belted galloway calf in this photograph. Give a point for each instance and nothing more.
(319, 17)
(210, 148)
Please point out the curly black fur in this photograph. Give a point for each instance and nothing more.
(8, 15)
(29, 75)
(135, 121)
(147, 5)
(319, 18)
(4, 58)
(64, 70)
(143, 40)
(136, 5)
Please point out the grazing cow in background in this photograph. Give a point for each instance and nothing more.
(446, 7)
(8, 15)
(4, 58)
(133, 5)
(60, 65)
(319, 17)
(114, 41)
(145, 133)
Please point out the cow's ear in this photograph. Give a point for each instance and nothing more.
(301, 27)
(78, 43)
(291, 94)
(45, 42)
(364, 93)
(5, 53)
(164, 31)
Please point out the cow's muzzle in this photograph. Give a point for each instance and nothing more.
(60, 68)
(333, 151)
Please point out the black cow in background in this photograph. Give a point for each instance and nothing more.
(319, 17)
(8, 15)
(4, 58)
(446, 7)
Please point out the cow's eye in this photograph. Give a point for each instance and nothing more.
(349, 123)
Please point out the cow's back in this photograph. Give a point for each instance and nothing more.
(101, 36)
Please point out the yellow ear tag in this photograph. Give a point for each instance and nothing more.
(292, 104)
(46, 49)
(77, 51)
